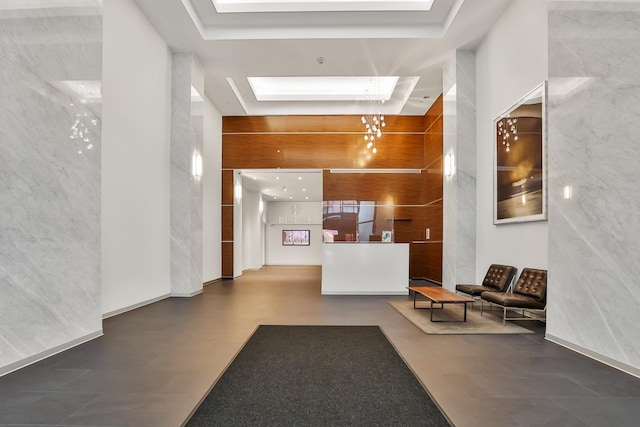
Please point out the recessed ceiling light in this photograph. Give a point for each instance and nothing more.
(290, 198)
(299, 177)
(323, 88)
(277, 177)
(248, 6)
(307, 198)
(304, 189)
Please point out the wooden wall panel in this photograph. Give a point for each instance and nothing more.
(227, 187)
(227, 259)
(227, 223)
(320, 151)
(331, 124)
(326, 142)
(433, 221)
(434, 113)
(433, 143)
(418, 261)
(422, 217)
(426, 261)
(383, 188)
(434, 261)
(432, 183)
(402, 230)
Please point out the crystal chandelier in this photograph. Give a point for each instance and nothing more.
(508, 129)
(373, 124)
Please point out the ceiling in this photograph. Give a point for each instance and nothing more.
(285, 185)
(232, 47)
(412, 45)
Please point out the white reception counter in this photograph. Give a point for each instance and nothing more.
(365, 268)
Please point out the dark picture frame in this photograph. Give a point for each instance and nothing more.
(296, 237)
(519, 172)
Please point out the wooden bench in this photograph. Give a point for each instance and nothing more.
(442, 296)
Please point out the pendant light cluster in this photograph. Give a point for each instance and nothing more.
(373, 124)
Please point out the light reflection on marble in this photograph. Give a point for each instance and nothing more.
(49, 181)
(186, 190)
(459, 192)
(594, 274)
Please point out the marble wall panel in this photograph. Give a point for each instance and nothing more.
(186, 189)
(459, 211)
(50, 136)
(594, 183)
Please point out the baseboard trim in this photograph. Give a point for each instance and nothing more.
(211, 282)
(134, 306)
(631, 370)
(186, 295)
(4, 370)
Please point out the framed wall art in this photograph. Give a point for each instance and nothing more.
(519, 175)
(296, 237)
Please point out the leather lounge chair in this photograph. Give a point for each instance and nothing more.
(529, 296)
(497, 279)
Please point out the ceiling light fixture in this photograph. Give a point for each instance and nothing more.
(374, 121)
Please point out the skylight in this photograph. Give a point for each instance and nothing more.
(42, 4)
(333, 88)
(248, 6)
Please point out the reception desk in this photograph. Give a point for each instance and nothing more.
(365, 268)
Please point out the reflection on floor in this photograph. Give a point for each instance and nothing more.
(154, 364)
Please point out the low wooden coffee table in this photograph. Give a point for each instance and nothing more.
(442, 296)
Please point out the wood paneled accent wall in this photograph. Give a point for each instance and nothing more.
(326, 142)
(227, 223)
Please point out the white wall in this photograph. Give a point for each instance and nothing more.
(278, 212)
(510, 62)
(237, 224)
(135, 159)
(211, 193)
(251, 230)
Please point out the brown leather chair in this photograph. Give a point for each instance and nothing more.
(498, 278)
(529, 295)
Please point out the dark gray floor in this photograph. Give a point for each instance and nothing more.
(156, 363)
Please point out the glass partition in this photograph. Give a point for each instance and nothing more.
(357, 221)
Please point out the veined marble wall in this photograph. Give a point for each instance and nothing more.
(459, 145)
(50, 72)
(186, 190)
(594, 183)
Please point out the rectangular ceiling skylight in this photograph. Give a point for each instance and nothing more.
(43, 4)
(248, 6)
(333, 88)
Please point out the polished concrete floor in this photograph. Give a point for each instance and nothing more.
(154, 364)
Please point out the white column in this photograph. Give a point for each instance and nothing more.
(186, 186)
(459, 162)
